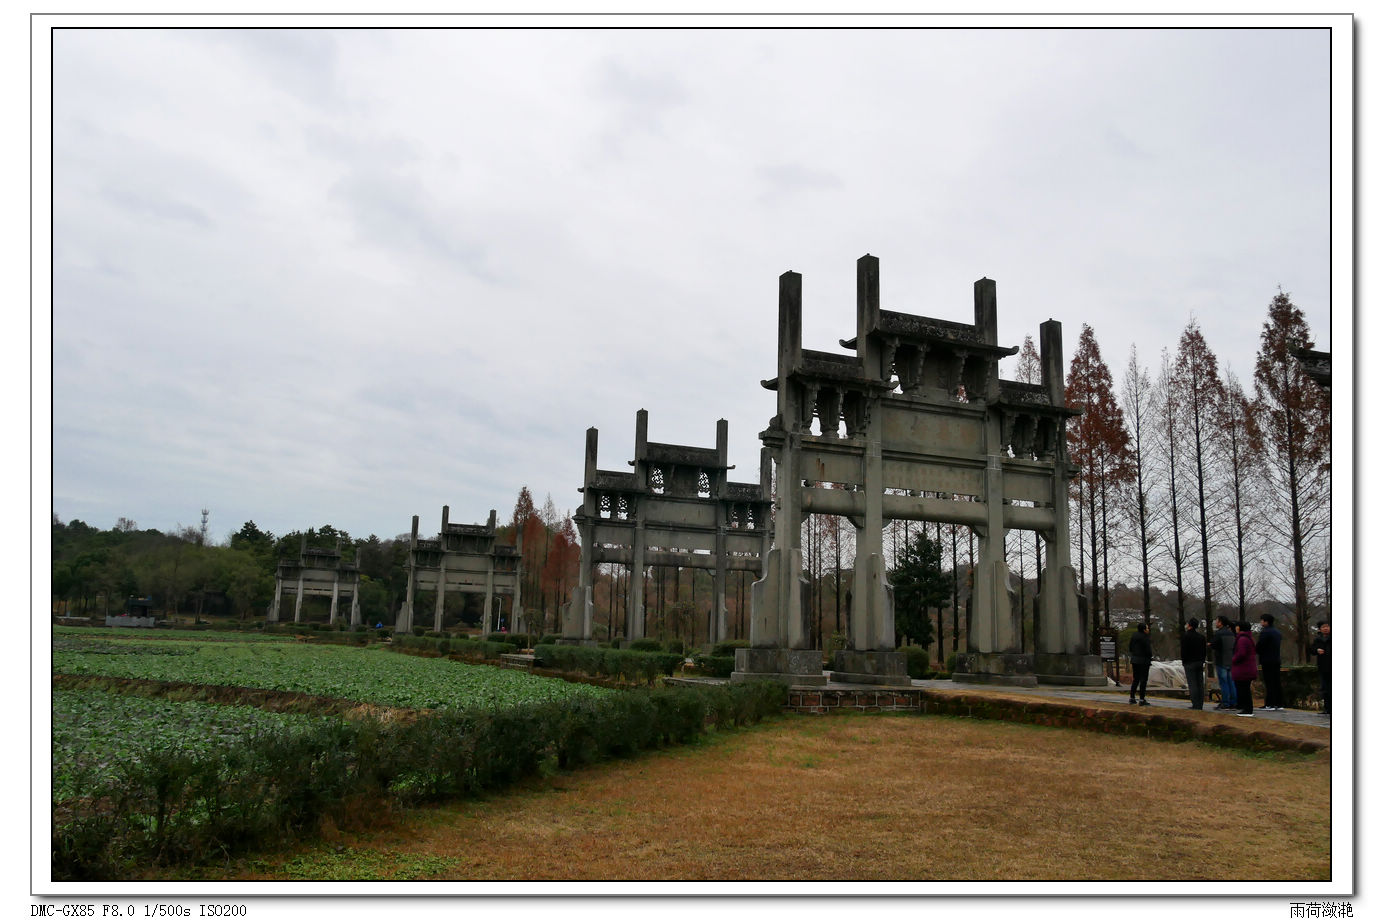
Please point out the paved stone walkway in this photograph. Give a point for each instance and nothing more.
(1122, 695)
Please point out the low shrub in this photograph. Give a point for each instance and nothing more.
(1301, 687)
(548, 640)
(417, 631)
(916, 662)
(383, 633)
(645, 644)
(675, 646)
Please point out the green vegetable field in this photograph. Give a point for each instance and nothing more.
(96, 734)
(367, 675)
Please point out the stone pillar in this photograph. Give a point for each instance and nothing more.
(405, 623)
(870, 655)
(336, 589)
(634, 620)
(490, 595)
(577, 615)
(442, 588)
(298, 599)
(718, 613)
(779, 631)
(274, 607)
(717, 627)
(1062, 653)
(634, 607)
(356, 601)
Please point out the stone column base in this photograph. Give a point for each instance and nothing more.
(882, 668)
(796, 667)
(1073, 670)
(1008, 669)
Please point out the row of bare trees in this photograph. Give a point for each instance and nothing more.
(1189, 482)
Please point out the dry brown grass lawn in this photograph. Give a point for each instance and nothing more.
(882, 797)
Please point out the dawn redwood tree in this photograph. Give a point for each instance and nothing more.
(918, 584)
(1200, 393)
(1136, 401)
(528, 527)
(1292, 430)
(1098, 444)
(1170, 438)
(1242, 467)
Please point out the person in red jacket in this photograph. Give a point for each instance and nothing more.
(1243, 667)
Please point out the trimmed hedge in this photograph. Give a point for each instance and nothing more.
(517, 639)
(646, 644)
(169, 807)
(467, 647)
(620, 664)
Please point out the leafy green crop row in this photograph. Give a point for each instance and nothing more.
(367, 675)
(95, 733)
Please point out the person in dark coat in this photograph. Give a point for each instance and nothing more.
(1141, 654)
(1322, 648)
(1223, 644)
(1243, 668)
(1193, 651)
(1267, 652)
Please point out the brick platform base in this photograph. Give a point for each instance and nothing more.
(821, 702)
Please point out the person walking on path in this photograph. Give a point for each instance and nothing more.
(1194, 654)
(1267, 652)
(1223, 645)
(1141, 654)
(1322, 648)
(1243, 668)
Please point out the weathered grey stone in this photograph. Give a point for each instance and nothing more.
(884, 668)
(1073, 670)
(991, 667)
(794, 666)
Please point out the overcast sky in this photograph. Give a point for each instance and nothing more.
(308, 277)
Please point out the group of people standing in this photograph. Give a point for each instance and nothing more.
(1237, 655)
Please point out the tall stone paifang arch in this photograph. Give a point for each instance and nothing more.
(317, 573)
(464, 558)
(919, 408)
(677, 507)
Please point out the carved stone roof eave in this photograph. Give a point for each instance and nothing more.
(672, 454)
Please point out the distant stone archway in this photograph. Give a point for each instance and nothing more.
(317, 573)
(676, 507)
(465, 558)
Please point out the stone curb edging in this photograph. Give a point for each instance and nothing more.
(1060, 715)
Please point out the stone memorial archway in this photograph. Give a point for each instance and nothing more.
(916, 424)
